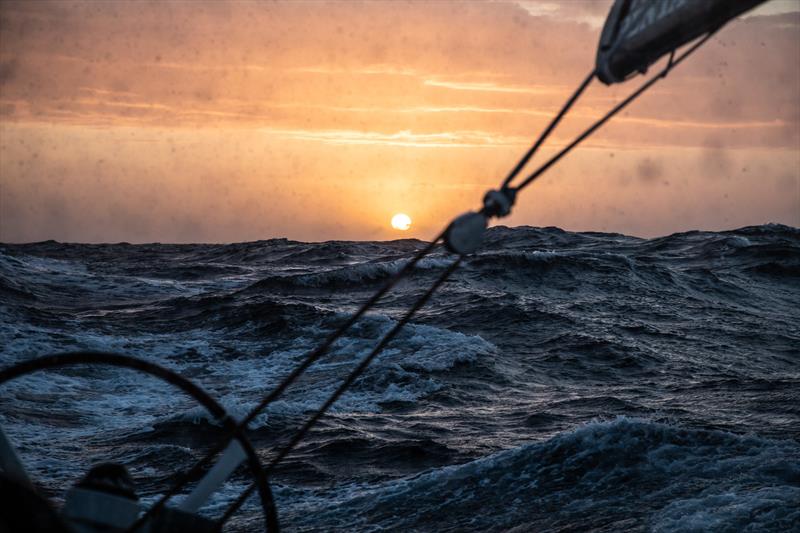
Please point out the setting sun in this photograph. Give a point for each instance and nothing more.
(401, 221)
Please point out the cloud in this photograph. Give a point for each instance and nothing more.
(649, 170)
(452, 139)
(591, 12)
(365, 98)
(7, 70)
(496, 88)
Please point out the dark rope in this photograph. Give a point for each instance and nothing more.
(236, 430)
(301, 433)
(322, 349)
(619, 107)
(546, 133)
(187, 476)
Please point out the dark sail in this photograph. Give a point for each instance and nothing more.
(638, 32)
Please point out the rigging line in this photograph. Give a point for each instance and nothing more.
(310, 359)
(301, 433)
(331, 339)
(671, 64)
(594, 127)
(550, 127)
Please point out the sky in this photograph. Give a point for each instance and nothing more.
(237, 121)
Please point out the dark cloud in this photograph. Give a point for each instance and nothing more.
(649, 170)
(8, 70)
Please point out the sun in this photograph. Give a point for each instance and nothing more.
(401, 221)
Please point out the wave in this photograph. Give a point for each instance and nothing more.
(239, 373)
(13, 291)
(253, 316)
(627, 474)
(408, 370)
(565, 262)
(352, 276)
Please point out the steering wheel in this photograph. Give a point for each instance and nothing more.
(230, 426)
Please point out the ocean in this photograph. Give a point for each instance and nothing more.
(558, 381)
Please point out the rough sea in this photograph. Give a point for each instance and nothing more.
(558, 382)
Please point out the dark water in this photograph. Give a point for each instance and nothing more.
(561, 381)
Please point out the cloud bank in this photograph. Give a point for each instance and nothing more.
(176, 121)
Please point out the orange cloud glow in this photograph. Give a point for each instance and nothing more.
(230, 121)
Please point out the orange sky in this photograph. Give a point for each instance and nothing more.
(231, 121)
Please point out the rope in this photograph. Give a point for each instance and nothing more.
(619, 107)
(389, 336)
(546, 133)
(323, 348)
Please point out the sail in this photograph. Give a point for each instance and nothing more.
(638, 32)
